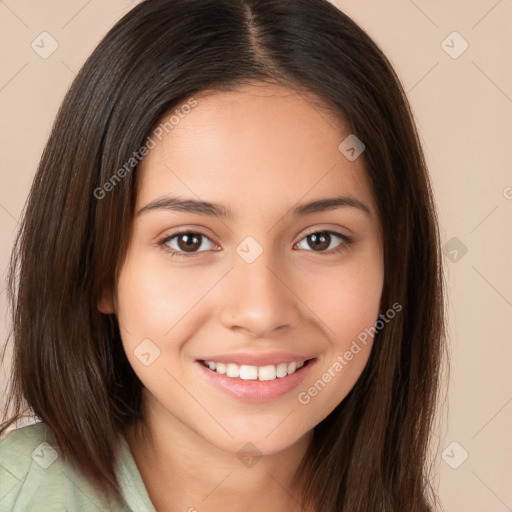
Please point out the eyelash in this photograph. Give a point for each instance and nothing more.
(347, 241)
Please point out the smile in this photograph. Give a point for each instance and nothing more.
(261, 373)
(252, 383)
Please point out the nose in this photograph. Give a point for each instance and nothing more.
(258, 298)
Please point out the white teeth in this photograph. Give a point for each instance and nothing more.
(282, 370)
(247, 372)
(232, 370)
(267, 372)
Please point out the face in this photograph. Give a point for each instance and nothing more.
(255, 263)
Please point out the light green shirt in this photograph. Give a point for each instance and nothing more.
(34, 477)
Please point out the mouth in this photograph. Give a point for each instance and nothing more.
(261, 373)
(255, 383)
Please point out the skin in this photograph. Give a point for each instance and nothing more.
(259, 151)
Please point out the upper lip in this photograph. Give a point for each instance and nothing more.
(257, 359)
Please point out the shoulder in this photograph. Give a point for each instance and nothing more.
(34, 476)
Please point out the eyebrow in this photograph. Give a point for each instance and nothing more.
(176, 204)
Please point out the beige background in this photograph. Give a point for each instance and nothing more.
(463, 107)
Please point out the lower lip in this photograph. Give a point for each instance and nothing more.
(255, 390)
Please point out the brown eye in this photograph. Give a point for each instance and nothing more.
(188, 242)
(321, 241)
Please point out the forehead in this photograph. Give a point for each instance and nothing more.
(267, 143)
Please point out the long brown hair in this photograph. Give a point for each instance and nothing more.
(69, 366)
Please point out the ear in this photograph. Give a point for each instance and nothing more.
(106, 303)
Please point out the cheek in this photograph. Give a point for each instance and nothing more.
(347, 303)
(350, 304)
(153, 310)
(152, 300)
(158, 310)
(345, 297)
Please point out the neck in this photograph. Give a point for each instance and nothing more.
(182, 471)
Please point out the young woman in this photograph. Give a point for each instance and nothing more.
(227, 288)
